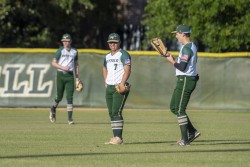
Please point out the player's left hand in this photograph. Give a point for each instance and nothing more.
(66, 68)
(79, 85)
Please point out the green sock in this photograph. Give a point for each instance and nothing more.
(184, 133)
(191, 128)
(117, 132)
(70, 113)
(117, 127)
(183, 123)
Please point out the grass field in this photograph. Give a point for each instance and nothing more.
(28, 139)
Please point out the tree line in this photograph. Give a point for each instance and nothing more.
(217, 26)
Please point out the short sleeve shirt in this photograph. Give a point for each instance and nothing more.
(115, 66)
(66, 58)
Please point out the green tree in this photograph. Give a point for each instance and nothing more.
(100, 22)
(29, 23)
(219, 25)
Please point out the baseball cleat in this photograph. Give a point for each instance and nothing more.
(193, 136)
(115, 141)
(182, 143)
(71, 122)
(108, 142)
(178, 140)
(52, 115)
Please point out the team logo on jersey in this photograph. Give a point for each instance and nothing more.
(127, 61)
(112, 60)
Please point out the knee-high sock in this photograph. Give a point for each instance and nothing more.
(55, 104)
(183, 123)
(191, 128)
(70, 111)
(117, 127)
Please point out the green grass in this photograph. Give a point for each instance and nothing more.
(28, 139)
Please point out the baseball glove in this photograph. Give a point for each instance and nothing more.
(158, 45)
(79, 85)
(118, 90)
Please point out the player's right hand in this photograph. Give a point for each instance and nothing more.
(66, 68)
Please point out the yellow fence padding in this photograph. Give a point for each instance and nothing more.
(134, 53)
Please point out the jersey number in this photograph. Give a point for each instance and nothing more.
(115, 66)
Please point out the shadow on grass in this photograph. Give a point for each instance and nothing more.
(123, 153)
(220, 142)
(151, 142)
(83, 123)
(198, 142)
(108, 123)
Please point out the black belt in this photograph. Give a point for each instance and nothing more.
(183, 76)
(67, 72)
(111, 85)
(114, 85)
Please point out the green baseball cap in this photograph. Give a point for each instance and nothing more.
(113, 37)
(66, 37)
(182, 29)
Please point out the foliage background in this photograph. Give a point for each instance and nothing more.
(218, 25)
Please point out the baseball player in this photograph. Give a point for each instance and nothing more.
(116, 71)
(66, 62)
(187, 78)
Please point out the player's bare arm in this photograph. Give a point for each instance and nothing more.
(170, 59)
(105, 73)
(56, 65)
(76, 69)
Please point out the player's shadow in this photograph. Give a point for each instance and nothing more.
(221, 142)
(198, 142)
(84, 123)
(151, 142)
(123, 153)
(108, 123)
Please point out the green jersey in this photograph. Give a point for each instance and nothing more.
(188, 54)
